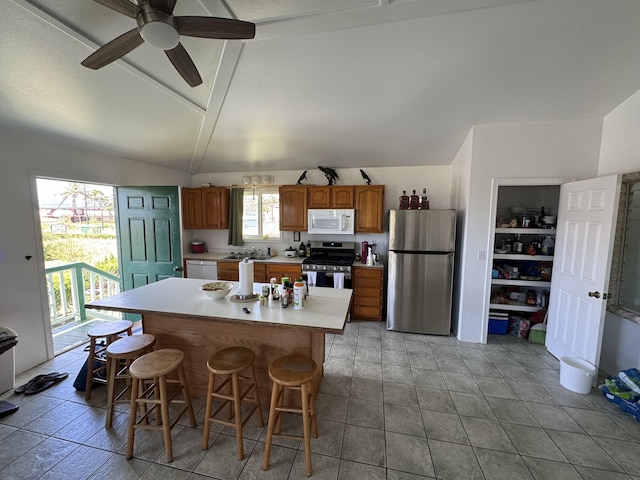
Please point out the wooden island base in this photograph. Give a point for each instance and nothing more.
(199, 339)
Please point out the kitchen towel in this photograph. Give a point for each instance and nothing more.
(245, 271)
(321, 280)
(338, 280)
(311, 279)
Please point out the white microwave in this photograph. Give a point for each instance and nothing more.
(335, 222)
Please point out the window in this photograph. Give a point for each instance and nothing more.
(625, 266)
(261, 214)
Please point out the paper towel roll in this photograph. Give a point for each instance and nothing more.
(246, 278)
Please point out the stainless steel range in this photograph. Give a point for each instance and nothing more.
(327, 259)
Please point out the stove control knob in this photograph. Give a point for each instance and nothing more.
(324, 267)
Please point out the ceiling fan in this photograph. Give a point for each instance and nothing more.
(159, 28)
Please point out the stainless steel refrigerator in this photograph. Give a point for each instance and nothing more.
(421, 253)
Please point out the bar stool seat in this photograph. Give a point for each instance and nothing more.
(97, 362)
(229, 363)
(293, 372)
(120, 355)
(156, 367)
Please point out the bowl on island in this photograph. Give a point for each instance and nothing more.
(549, 219)
(217, 289)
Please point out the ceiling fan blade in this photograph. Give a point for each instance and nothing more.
(166, 6)
(184, 65)
(113, 50)
(124, 7)
(213, 27)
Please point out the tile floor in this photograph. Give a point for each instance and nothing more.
(391, 406)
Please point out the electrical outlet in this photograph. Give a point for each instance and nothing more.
(482, 254)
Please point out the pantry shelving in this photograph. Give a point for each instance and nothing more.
(521, 273)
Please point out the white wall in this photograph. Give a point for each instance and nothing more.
(23, 301)
(620, 148)
(550, 149)
(460, 182)
(620, 153)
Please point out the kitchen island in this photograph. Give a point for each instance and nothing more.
(181, 316)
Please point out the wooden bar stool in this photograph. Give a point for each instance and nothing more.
(156, 366)
(97, 362)
(229, 363)
(120, 355)
(292, 372)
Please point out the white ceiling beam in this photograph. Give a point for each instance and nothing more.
(224, 74)
(384, 12)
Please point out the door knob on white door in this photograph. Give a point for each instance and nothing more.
(594, 294)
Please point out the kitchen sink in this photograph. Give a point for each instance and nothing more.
(242, 256)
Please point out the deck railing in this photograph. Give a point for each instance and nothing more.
(73, 285)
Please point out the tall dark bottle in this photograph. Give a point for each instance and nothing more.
(541, 216)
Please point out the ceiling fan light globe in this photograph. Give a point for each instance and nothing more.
(160, 35)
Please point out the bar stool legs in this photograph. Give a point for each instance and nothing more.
(294, 372)
(110, 332)
(156, 366)
(229, 363)
(120, 355)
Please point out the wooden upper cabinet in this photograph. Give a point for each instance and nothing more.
(342, 196)
(293, 208)
(205, 208)
(369, 208)
(192, 208)
(334, 196)
(215, 207)
(319, 197)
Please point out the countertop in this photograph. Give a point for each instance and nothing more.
(325, 309)
(209, 256)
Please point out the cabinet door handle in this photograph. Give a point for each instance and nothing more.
(178, 269)
(594, 294)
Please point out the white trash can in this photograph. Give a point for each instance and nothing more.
(576, 374)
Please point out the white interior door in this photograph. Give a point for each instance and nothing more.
(581, 267)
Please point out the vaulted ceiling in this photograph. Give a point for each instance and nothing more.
(346, 83)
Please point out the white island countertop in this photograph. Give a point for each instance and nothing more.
(325, 309)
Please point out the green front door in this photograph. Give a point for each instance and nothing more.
(149, 234)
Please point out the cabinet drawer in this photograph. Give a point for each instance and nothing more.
(372, 313)
(367, 282)
(361, 292)
(367, 301)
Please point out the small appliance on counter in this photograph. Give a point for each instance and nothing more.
(197, 246)
(290, 252)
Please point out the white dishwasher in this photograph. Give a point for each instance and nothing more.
(204, 269)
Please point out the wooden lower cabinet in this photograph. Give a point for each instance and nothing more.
(228, 270)
(279, 270)
(368, 291)
(262, 271)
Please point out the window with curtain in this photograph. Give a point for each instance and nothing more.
(261, 214)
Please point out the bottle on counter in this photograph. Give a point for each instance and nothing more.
(369, 257)
(424, 200)
(298, 294)
(302, 250)
(404, 201)
(307, 251)
(414, 201)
